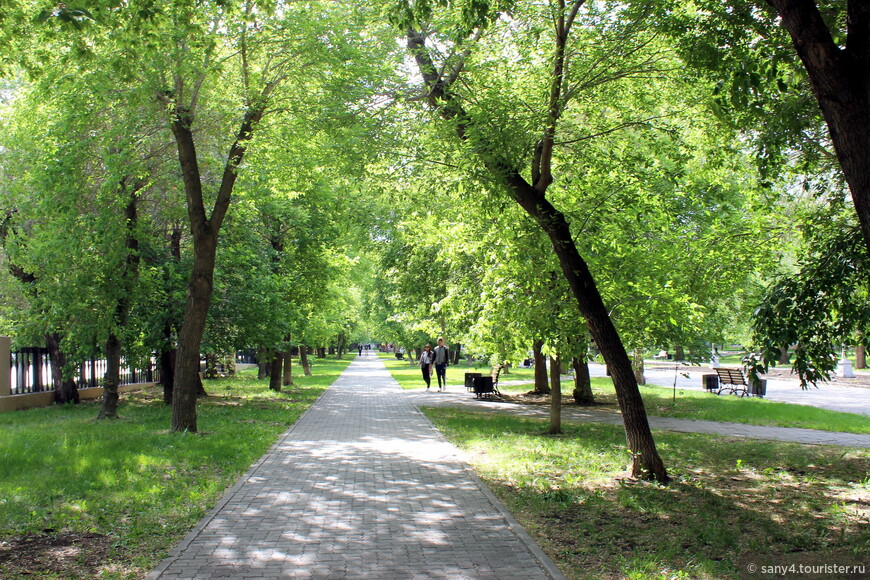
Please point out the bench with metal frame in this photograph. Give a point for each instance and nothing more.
(733, 381)
(484, 386)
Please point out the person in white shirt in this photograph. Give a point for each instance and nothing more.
(427, 359)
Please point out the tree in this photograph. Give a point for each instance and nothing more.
(823, 305)
(441, 93)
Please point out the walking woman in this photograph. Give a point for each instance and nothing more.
(427, 358)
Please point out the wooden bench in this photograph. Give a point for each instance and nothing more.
(733, 381)
(485, 385)
(662, 355)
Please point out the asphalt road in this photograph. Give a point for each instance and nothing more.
(836, 396)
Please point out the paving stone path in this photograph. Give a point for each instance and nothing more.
(362, 486)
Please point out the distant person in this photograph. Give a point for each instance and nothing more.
(442, 356)
(427, 359)
(360, 350)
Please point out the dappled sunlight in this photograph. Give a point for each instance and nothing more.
(362, 484)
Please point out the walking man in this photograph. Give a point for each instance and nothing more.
(442, 355)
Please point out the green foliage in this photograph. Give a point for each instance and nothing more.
(823, 305)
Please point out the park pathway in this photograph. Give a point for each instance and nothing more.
(362, 486)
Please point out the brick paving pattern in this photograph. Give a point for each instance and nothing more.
(362, 486)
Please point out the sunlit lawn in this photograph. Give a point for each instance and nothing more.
(660, 401)
(132, 480)
(733, 502)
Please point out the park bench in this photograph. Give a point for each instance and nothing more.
(662, 355)
(484, 385)
(734, 382)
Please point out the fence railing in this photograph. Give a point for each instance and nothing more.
(30, 372)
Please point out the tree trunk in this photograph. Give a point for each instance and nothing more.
(555, 395)
(679, 353)
(860, 357)
(303, 360)
(167, 374)
(455, 352)
(288, 368)
(840, 80)
(582, 382)
(275, 374)
(783, 355)
(168, 355)
(646, 462)
(637, 364)
(263, 366)
(65, 389)
(204, 231)
(541, 386)
(112, 379)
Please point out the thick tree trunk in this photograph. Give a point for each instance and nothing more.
(303, 360)
(679, 353)
(841, 83)
(860, 357)
(582, 382)
(455, 352)
(199, 291)
(784, 357)
(541, 385)
(288, 368)
(646, 462)
(65, 389)
(112, 379)
(555, 395)
(276, 376)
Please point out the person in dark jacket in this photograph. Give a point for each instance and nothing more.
(442, 357)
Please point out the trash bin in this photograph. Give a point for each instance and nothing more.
(758, 388)
(469, 380)
(710, 382)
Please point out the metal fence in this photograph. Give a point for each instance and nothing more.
(30, 371)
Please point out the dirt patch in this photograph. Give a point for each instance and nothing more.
(60, 555)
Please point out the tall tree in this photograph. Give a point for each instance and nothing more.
(441, 93)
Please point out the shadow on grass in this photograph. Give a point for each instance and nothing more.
(732, 503)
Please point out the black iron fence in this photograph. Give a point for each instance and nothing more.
(30, 371)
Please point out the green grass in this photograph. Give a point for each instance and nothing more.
(732, 502)
(754, 411)
(659, 401)
(132, 480)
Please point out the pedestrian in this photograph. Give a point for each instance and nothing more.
(360, 350)
(427, 358)
(442, 356)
